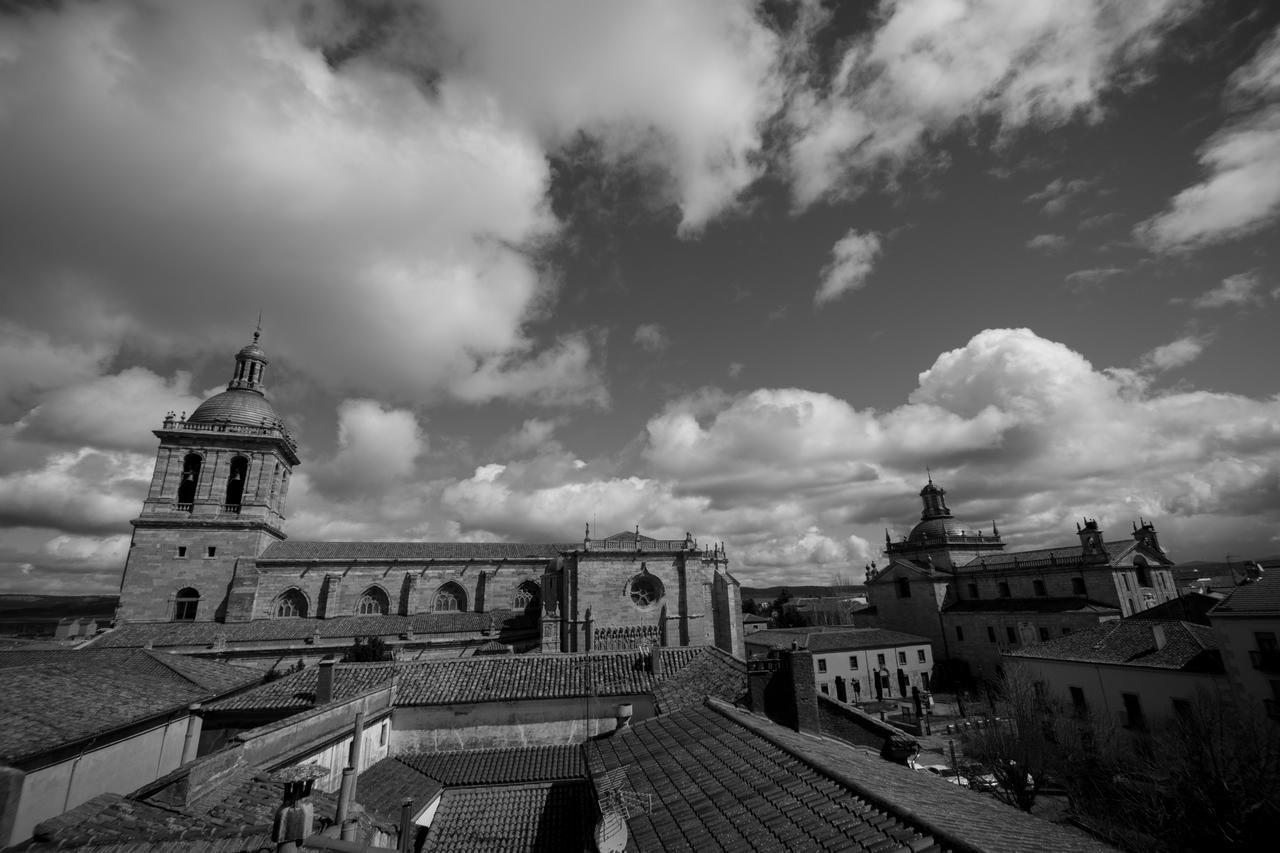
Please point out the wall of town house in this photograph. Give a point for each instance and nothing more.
(977, 648)
(914, 614)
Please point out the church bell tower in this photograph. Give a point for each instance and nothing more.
(216, 501)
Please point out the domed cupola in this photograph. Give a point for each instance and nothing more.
(934, 499)
(244, 403)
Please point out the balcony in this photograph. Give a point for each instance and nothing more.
(234, 509)
(1267, 660)
(184, 507)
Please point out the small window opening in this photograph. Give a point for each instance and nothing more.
(211, 551)
(904, 587)
(235, 481)
(1077, 586)
(191, 465)
(973, 590)
(186, 604)
(182, 550)
(1039, 587)
(1004, 589)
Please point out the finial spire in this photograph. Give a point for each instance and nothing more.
(928, 473)
(257, 333)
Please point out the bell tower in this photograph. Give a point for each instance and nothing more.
(216, 500)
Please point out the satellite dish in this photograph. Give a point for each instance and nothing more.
(611, 833)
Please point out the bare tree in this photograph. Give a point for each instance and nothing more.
(1018, 750)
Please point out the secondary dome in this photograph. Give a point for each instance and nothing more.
(236, 406)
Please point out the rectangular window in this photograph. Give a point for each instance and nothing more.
(960, 633)
(1125, 577)
(1039, 588)
(853, 661)
(382, 733)
(1077, 586)
(1044, 634)
(1004, 589)
(904, 587)
(822, 664)
(1266, 641)
(920, 657)
(879, 660)
(1133, 711)
(182, 550)
(973, 590)
(211, 551)
(825, 689)
(991, 633)
(1011, 634)
(902, 657)
(1078, 704)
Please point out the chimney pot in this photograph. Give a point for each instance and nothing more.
(624, 712)
(1161, 639)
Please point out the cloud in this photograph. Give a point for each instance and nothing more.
(1059, 193)
(735, 369)
(535, 434)
(159, 157)
(567, 374)
(651, 337)
(117, 411)
(927, 68)
(1240, 290)
(1240, 193)
(377, 446)
(852, 258)
(84, 491)
(1178, 353)
(1048, 243)
(1093, 277)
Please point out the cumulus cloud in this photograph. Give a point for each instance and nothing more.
(1059, 193)
(81, 491)
(928, 67)
(1240, 290)
(1177, 353)
(1240, 192)
(852, 259)
(377, 446)
(650, 336)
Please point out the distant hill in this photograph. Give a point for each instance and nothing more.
(769, 593)
(14, 606)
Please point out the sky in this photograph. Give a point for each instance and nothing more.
(750, 271)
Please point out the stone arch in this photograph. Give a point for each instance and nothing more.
(374, 601)
(185, 604)
(290, 604)
(449, 598)
(191, 465)
(236, 478)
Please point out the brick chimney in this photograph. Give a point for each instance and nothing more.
(324, 682)
(1158, 630)
(798, 664)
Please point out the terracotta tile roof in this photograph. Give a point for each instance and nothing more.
(249, 842)
(954, 817)
(820, 640)
(1065, 604)
(1261, 596)
(711, 672)
(545, 818)
(298, 690)
(716, 786)
(1188, 646)
(292, 551)
(500, 766)
(1069, 555)
(1188, 607)
(205, 634)
(59, 699)
(496, 678)
(383, 786)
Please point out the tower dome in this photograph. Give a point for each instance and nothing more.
(244, 403)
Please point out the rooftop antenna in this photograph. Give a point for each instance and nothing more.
(928, 473)
(258, 331)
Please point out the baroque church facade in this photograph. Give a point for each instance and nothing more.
(210, 569)
(975, 600)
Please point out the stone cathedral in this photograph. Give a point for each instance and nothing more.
(211, 570)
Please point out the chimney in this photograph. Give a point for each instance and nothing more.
(191, 743)
(1158, 630)
(406, 826)
(624, 713)
(759, 673)
(804, 691)
(324, 682)
(655, 663)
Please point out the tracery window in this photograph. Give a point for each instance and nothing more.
(290, 603)
(373, 602)
(644, 589)
(186, 604)
(450, 598)
(528, 598)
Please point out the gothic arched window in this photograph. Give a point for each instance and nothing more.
(235, 481)
(190, 479)
(373, 602)
(450, 598)
(290, 603)
(186, 604)
(528, 598)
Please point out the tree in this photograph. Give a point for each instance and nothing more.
(1017, 750)
(367, 649)
(749, 606)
